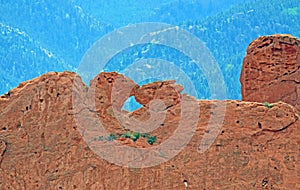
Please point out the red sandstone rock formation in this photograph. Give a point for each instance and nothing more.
(270, 71)
(44, 144)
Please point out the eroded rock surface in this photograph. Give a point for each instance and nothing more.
(51, 127)
(270, 71)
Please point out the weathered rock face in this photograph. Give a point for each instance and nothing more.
(50, 135)
(270, 71)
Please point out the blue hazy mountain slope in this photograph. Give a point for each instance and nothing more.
(120, 13)
(61, 26)
(22, 58)
(65, 29)
(229, 33)
(48, 28)
(60, 32)
(178, 11)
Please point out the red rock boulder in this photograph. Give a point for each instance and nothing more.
(270, 71)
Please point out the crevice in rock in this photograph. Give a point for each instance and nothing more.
(263, 45)
(282, 129)
(3, 149)
(287, 43)
(294, 81)
(168, 107)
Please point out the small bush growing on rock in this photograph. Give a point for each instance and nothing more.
(131, 135)
(268, 105)
(151, 139)
(126, 135)
(144, 135)
(100, 138)
(136, 135)
(112, 137)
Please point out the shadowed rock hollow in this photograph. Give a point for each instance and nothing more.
(57, 133)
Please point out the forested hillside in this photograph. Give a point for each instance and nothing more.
(52, 35)
(229, 33)
(22, 58)
(168, 11)
(61, 26)
(41, 36)
(180, 11)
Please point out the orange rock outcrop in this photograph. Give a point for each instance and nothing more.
(270, 70)
(50, 131)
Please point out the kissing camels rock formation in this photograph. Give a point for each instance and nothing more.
(44, 145)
